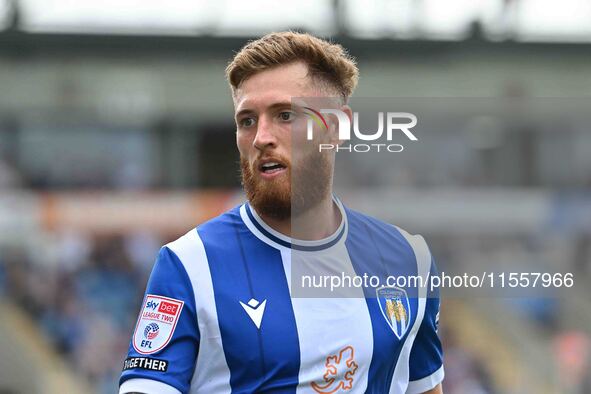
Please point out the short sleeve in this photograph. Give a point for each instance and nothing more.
(426, 356)
(163, 349)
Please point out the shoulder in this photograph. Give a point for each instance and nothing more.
(390, 237)
(376, 227)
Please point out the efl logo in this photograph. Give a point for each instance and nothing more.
(167, 307)
(156, 323)
(393, 124)
(151, 331)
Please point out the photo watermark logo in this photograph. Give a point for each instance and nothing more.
(395, 122)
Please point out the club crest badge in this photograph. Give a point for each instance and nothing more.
(395, 308)
(156, 324)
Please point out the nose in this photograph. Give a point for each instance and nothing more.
(265, 137)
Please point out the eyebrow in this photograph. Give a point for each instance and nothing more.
(281, 104)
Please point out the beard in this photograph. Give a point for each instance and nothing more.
(292, 195)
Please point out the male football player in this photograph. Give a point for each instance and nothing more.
(219, 314)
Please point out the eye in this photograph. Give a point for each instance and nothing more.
(246, 122)
(286, 116)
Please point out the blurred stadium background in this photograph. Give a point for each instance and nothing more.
(116, 136)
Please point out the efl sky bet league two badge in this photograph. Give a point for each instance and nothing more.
(395, 308)
(156, 324)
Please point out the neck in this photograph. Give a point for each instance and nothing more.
(314, 224)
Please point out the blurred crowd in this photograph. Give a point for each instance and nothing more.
(465, 371)
(85, 304)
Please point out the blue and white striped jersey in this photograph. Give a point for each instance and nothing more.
(219, 315)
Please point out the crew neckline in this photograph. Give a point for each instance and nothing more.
(274, 238)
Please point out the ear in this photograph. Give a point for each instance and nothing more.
(346, 109)
(349, 112)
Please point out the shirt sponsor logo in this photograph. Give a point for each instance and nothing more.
(339, 372)
(150, 364)
(168, 307)
(156, 324)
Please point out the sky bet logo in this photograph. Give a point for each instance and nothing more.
(165, 307)
(156, 323)
(395, 122)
